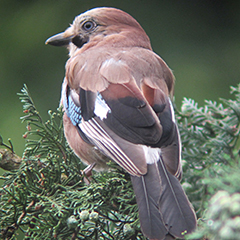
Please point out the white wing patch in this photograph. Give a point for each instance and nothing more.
(101, 108)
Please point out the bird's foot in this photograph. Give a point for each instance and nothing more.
(87, 173)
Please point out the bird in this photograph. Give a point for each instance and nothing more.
(117, 100)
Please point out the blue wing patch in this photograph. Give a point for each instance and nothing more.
(96, 105)
(73, 112)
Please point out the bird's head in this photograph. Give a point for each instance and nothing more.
(103, 25)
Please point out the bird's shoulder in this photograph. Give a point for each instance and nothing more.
(96, 68)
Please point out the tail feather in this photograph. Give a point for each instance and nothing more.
(150, 217)
(163, 206)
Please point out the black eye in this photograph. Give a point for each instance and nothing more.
(88, 25)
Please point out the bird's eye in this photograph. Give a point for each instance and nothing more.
(88, 25)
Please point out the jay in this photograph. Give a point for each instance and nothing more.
(116, 96)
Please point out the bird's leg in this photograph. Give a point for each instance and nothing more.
(87, 173)
(88, 170)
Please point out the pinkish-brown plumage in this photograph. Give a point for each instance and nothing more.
(117, 100)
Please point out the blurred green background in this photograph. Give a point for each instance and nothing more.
(200, 41)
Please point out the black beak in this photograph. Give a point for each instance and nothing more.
(59, 40)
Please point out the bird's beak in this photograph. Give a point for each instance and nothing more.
(67, 37)
(59, 40)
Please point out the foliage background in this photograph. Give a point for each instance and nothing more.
(47, 196)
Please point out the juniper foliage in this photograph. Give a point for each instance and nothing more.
(47, 197)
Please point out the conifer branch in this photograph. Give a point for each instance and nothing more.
(44, 195)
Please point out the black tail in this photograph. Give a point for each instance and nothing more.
(164, 208)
